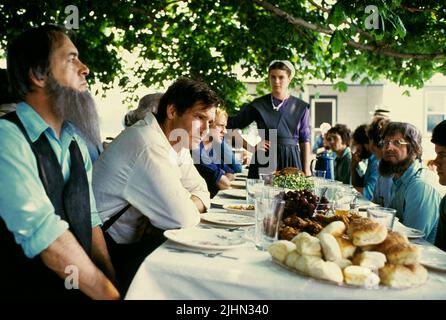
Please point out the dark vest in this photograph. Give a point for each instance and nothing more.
(21, 277)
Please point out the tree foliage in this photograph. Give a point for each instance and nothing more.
(207, 39)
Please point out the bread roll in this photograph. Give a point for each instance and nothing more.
(391, 239)
(398, 250)
(360, 276)
(307, 245)
(343, 263)
(330, 247)
(370, 259)
(335, 228)
(363, 232)
(346, 246)
(400, 276)
(305, 263)
(327, 270)
(405, 253)
(291, 258)
(279, 250)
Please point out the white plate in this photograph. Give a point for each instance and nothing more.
(238, 209)
(432, 257)
(411, 233)
(228, 219)
(234, 193)
(214, 239)
(241, 175)
(241, 184)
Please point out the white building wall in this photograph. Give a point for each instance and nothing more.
(354, 106)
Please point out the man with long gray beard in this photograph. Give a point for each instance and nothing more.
(415, 192)
(49, 226)
(78, 107)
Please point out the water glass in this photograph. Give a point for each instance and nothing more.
(268, 214)
(253, 187)
(267, 177)
(382, 215)
(319, 173)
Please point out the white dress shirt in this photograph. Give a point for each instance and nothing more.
(140, 167)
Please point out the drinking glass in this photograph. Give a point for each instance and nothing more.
(253, 187)
(382, 215)
(267, 177)
(268, 213)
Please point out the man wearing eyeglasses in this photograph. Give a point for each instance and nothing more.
(439, 140)
(415, 193)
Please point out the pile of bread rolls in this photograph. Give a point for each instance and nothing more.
(364, 254)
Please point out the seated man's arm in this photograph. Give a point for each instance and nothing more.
(155, 188)
(422, 202)
(198, 203)
(66, 251)
(224, 182)
(100, 255)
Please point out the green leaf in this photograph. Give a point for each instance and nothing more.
(406, 93)
(340, 86)
(337, 41)
(336, 15)
(400, 28)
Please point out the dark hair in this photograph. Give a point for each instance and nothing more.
(280, 66)
(439, 134)
(5, 90)
(410, 133)
(183, 94)
(343, 131)
(31, 52)
(376, 128)
(360, 135)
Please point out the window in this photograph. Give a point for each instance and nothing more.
(323, 109)
(435, 108)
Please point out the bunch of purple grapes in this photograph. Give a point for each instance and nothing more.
(303, 203)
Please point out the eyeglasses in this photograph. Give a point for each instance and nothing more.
(397, 143)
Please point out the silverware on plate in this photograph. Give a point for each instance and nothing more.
(206, 254)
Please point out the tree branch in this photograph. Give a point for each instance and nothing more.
(359, 30)
(319, 7)
(411, 9)
(379, 50)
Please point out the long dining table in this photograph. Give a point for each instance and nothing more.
(175, 271)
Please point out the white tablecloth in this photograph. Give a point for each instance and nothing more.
(177, 275)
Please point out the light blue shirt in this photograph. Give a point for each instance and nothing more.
(370, 177)
(381, 194)
(416, 199)
(24, 205)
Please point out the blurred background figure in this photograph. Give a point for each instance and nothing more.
(364, 164)
(338, 139)
(381, 193)
(320, 143)
(214, 159)
(381, 112)
(148, 103)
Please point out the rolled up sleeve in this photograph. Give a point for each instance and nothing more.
(25, 207)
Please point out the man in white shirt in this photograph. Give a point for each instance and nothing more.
(149, 167)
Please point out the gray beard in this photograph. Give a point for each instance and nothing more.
(77, 107)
